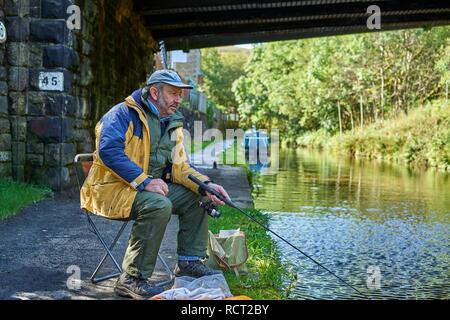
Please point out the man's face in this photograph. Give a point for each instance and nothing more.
(168, 99)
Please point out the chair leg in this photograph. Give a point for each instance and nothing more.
(109, 249)
(95, 279)
(169, 271)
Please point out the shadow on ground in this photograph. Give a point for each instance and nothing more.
(42, 246)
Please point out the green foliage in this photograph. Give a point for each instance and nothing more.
(221, 68)
(299, 86)
(15, 196)
(421, 138)
(318, 139)
(210, 113)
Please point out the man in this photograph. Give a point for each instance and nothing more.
(141, 173)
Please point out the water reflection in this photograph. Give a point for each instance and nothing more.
(351, 215)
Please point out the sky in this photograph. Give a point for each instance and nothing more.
(246, 46)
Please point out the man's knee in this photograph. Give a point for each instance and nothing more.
(160, 207)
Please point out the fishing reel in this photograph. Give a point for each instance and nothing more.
(210, 208)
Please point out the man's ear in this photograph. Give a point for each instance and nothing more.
(153, 93)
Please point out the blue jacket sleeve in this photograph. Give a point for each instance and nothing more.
(112, 144)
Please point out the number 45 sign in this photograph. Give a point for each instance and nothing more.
(51, 81)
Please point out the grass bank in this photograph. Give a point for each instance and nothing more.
(15, 196)
(421, 138)
(199, 145)
(264, 280)
(265, 272)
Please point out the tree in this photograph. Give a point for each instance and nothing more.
(221, 67)
(297, 86)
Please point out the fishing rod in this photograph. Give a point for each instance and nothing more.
(228, 202)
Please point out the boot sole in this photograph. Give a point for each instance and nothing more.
(124, 292)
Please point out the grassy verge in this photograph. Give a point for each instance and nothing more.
(199, 145)
(16, 196)
(236, 158)
(421, 138)
(265, 273)
(264, 280)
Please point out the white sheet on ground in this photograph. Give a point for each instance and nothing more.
(212, 287)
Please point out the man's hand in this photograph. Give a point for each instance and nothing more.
(220, 190)
(158, 186)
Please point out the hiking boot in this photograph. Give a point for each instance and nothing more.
(195, 269)
(135, 288)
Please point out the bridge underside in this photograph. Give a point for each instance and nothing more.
(206, 23)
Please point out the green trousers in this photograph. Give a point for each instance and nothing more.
(151, 212)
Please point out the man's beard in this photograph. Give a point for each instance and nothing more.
(164, 105)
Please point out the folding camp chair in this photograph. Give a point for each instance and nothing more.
(83, 163)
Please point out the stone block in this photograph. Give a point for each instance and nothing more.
(5, 156)
(5, 126)
(17, 7)
(68, 152)
(35, 147)
(3, 88)
(35, 109)
(18, 128)
(17, 103)
(52, 154)
(5, 142)
(36, 58)
(3, 105)
(61, 104)
(18, 173)
(54, 31)
(55, 9)
(18, 78)
(35, 160)
(5, 170)
(18, 28)
(3, 73)
(60, 56)
(69, 130)
(17, 54)
(46, 129)
(18, 153)
(36, 103)
(35, 8)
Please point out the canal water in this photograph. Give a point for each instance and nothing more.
(384, 228)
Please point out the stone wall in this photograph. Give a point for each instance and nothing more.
(55, 83)
(5, 127)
